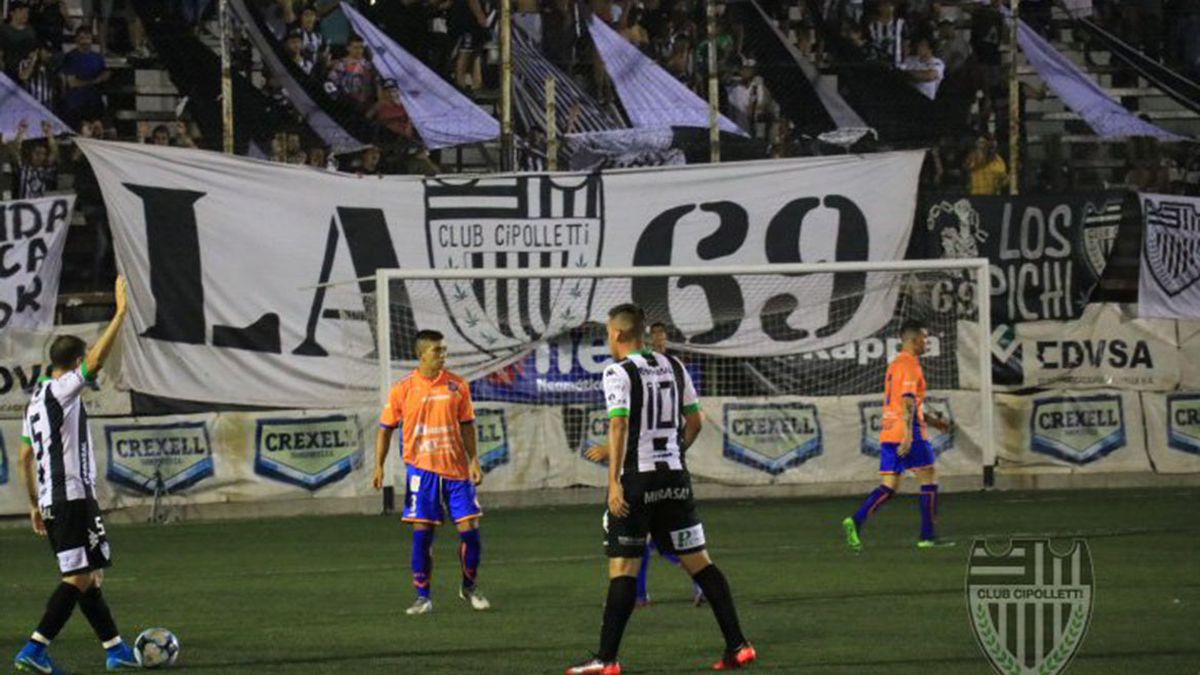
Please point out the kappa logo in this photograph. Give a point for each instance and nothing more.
(1172, 248)
(772, 437)
(1183, 422)
(1100, 226)
(871, 417)
(523, 222)
(158, 456)
(308, 452)
(1030, 606)
(1078, 430)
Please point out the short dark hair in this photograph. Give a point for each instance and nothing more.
(632, 320)
(83, 29)
(656, 325)
(910, 326)
(65, 351)
(424, 337)
(355, 38)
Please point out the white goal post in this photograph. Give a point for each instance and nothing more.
(840, 318)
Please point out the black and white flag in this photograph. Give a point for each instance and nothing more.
(1170, 269)
(32, 235)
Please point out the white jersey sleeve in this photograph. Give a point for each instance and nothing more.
(691, 400)
(616, 390)
(68, 387)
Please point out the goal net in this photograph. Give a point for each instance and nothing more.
(789, 360)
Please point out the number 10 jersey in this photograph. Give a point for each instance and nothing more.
(654, 391)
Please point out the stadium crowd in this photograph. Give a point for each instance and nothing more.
(63, 60)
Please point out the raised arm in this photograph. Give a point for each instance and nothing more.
(52, 149)
(99, 352)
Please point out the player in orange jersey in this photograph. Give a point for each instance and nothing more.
(904, 440)
(442, 465)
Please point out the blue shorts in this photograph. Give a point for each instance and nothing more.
(428, 495)
(920, 455)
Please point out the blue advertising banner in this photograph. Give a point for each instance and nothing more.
(566, 370)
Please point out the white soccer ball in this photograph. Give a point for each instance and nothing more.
(156, 648)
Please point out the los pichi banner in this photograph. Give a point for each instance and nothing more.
(1047, 253)
(1170, 269)
(32, 235)
(231, 262)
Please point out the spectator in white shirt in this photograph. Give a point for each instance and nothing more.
(924, 69)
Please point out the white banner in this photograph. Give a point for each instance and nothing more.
(24, 357)
(224, 256)
(32, 235)
(1173, 431)
(1170, 266)
(1102, 348)
(254, 457)
(1075, 431)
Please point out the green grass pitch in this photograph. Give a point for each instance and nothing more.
(326, 595)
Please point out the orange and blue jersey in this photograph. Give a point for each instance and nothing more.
(432, 412)
(905, 381)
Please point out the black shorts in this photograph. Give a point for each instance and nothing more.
(660, 506)
(76, 533)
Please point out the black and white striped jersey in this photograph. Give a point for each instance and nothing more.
(56, 426)
(654, 391)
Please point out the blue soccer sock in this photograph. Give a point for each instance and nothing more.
(643, 592)
(929, 505)
(422, 561)
(470, 551)
(873, 503)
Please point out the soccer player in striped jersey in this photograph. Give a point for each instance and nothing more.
(442, 465)
(904, 440)
(599, 453)
(59, 470)
(654, 416)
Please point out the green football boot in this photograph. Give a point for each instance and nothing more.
(852, 539)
